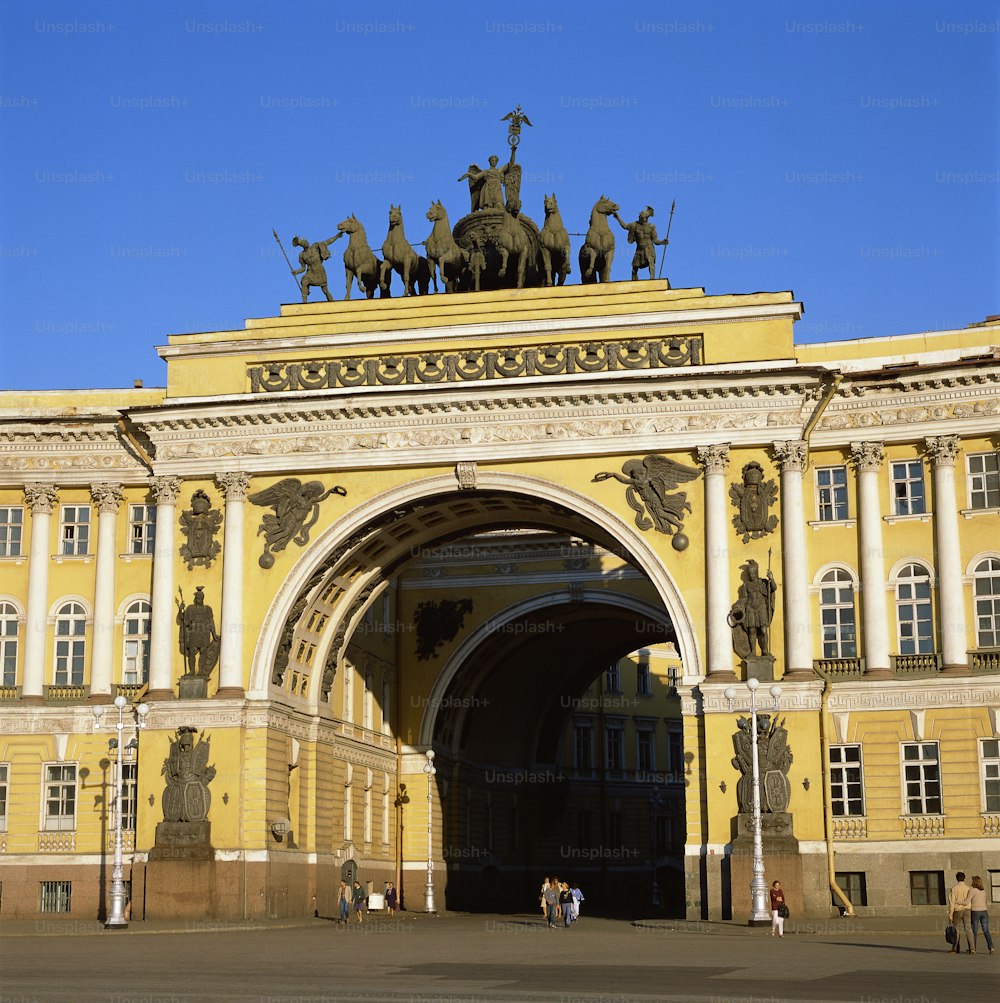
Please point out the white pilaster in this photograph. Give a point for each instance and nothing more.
(794, 457)
(107, 498)
(715, 460)
(234, 485)
(943, 451)
(161, 642)
(868, 457)
(40, 499)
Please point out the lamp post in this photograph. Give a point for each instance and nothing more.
(655, 803)
(429, 889)
(760, 914)
(116, 915)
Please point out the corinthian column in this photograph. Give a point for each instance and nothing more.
(107, 498)
(40, 498)
(161, 640)
(234, 485)
(943, 451)
(868, 457)
(715, 460)
(793, 457)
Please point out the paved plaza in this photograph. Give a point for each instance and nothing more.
(457, 958)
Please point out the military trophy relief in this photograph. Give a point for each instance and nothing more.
(750, 620)
(438, 623)
(200, 524)
(185, 832)
(494, 246)
(753, 500)
(199, 644)
(774, 758)
(651, 492)
(296, 511)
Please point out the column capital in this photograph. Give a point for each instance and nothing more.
(165, 490)
(715, 458)
(792, 454)
(234, 484)
(867, 455)
(107, 497)
(40, 497)
(942, 449)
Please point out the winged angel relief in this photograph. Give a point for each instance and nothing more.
(296, 509)
(649, 482)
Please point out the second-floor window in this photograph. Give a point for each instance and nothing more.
(643, 680)
(142, 529)
(71, 644)
(583, 746)
(130, 780)
(135, 662)
(831, 493)
(986, 578)
(913, 611)
(612, 679)
(645, 750)
(60, 797)
(11, 524)
(846, 780)
(614, 739)
(908, 488)
(8, 644)
(921, 778)
(75, 533)
(989, 758)
(836, 610)
(984, 480)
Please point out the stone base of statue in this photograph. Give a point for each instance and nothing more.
(486, 227)
(183, 841)
(782, 862)
(775, 831)
(759, 667)
(180, 872)
(192, 687)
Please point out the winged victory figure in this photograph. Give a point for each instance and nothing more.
(294, 503)
(648, 483)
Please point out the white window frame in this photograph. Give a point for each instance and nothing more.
(70, 648)
(4, 790)
(135, 643)
(994, 885)
(900, 582)
(675, 750)
(10, 637)
(74, 531)
(581, 729)
(142, 530)
(643, 678)
(920, 764)
(614, 728)
(11, 530)
(977, 481)
(986, 608)
(901, 476)
(54, 788)
(844, 581)
(839, 783)
(130, 791)
(368, 701)
(989, 774)
(613, 678)
(828, 507)
(645, 731)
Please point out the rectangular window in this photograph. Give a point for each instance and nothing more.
(643, 680)
(994, 885)
(846, 780)
(75, 529)
(927, 887)
(8, 644)
(55, 896)
(831, 489)
(645, 750)
(4, 780)
(130, 779)
(614, 739)
(854, 886)
(908, 488)
(11, 524)
(60, 797)
(675, 751)
(921, 778)
(984, 480)
(612, 679)
(142, 529)
(989, 753)
(583, 747)
(616, 829)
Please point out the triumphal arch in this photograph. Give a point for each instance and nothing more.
(448, 591)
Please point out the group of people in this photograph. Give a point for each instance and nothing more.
(967, 912)
(560, 900)
(357, 898)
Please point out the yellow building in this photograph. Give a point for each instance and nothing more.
(454, 524)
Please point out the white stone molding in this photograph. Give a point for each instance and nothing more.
(917, 719)
(983, 555)
(915, 694)
(165, 491)
(40, 498)
(465, 474)
(943, 449)
(793, 457)
(868, 458)
(817, 581)
(715, 460)
(231, 629)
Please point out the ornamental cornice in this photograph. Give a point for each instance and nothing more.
(914, 694)
(909, 407)
(710, 698)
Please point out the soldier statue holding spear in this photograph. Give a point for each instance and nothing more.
(311, 259)
(642, 233)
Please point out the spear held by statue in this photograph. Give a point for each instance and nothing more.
(663, 256)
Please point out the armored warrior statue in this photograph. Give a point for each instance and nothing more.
(199, 640)
(642, 233)
(751, 614)
(311, 259)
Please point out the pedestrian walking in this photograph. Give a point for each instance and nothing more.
(577, 899)
(541, 893)
(360, 900)
(779, 911)
(391, 899)
(345, 901)
(566, 903)
(551, 897)
(958, 914)
(980, 916)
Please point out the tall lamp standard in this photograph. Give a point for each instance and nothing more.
(429, 890)
(760, 914)
(116, 916)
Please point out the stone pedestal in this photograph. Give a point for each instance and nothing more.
(183, 841)
(192, 687)
(760, 667)
(782, 860)
(180, 872)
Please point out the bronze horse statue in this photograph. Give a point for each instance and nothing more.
(554, 243)
(510, 239)
(398, 254)
(598, 249)
(443, 253)
(359, 260)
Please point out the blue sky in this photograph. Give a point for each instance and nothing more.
(848, 152)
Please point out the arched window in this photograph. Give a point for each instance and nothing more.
(71, 644)
(987, 592)
(135, 659)
(8, 644)
(836, 610)
(913, 611)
